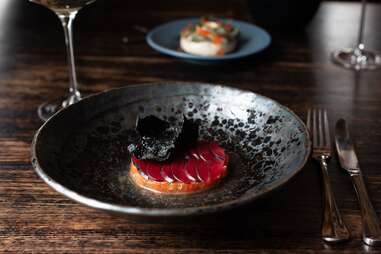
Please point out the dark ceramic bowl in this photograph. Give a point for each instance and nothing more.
(81, 151)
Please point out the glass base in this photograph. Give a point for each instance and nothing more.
(356, 59)
(49, 108)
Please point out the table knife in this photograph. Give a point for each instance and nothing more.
(349, 162)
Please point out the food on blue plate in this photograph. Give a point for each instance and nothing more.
(169, 158)
(209, 37)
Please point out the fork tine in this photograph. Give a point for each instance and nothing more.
(326, 127)
(320, 126)
(314, 129)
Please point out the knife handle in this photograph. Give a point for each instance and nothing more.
(333, 228)
(370, 221)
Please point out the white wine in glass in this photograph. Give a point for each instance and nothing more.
(63, 6)
(66, 11)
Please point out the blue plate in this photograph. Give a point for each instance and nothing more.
(165, 39)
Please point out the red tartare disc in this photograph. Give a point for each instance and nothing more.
(202, 165)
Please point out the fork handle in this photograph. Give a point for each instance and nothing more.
(333, 228)
(370, 221)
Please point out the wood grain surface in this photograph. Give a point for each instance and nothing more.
(296, 71)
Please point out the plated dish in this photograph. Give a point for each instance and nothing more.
(252, 145)
(208, 40)
(168, 157)
(209, 37)
(196, 170)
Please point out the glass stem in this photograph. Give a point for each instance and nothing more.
(360, 40)
(67, 23)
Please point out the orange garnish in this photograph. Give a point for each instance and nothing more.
(202, 32)
(217, 39)
(221, 52)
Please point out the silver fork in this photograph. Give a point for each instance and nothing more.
(333, 227)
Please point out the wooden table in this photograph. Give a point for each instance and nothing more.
(296, 71)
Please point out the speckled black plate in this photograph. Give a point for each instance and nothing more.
(81, 151)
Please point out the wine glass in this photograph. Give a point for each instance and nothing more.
(66, 11)
(358, 58)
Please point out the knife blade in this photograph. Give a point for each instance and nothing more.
(345, 148)
(371, 234)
